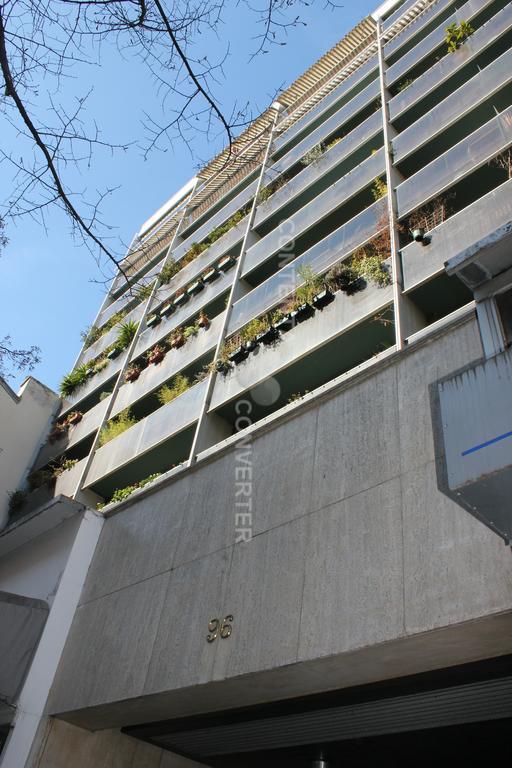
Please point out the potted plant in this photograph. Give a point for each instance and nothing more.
(58, 431)
(167, 309)
(113, 353)
(156, 355)
(177, 338)
(303, 312)
(226, 263)
(74, 417)
(222, 366)
(195, 288)
(267, 336)
(323, 298)
(203, 320)
(210, 275)
(180, 299)
(132, 373)
(153, 320)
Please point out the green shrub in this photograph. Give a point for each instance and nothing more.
(168, 271)
(379, 189)
(312, 284)
(171, 391)
(122, 493)
(116, 426)
(74, 380)
(143, 292)
(126, 333)
(457, 34)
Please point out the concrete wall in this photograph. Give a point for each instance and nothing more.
(65, 746)
(34, 569)
(25, 419)
(359, 568)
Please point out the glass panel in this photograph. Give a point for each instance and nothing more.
(442, 70)
(447, 112)
(367, 129)
(433, 40)
(457, 162)
(321, 206)
(344, 87)
(414, 27)
(320, 257)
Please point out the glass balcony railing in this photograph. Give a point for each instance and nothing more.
(95, 382)
(67, 482)
(310, 175)
(339, 316)
(432, 41)
(336, 246)
(175, 361)
(305, 218)
(449, 65)
(148, 433)
(343, 89)
(456, 234)
(371, 126)
(127, 297)
(483, 85)
(90, 422)
(109, 338)
(466, 156)
(199, 234)
(414, 27)
(212, 291)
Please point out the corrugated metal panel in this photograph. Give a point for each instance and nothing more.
(475, 702)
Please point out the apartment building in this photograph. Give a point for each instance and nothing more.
(291, 426)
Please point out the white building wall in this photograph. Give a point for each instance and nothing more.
(24, 422)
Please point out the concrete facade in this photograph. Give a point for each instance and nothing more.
(357, 561)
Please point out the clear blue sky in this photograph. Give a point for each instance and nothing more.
(47, 289)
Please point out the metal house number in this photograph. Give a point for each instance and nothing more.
(217, 627)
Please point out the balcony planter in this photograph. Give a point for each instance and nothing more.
(226, 263)
(167, 309)
(302, 313)
(211, 275)
(323, 298)
(75, 417)
(284, 324)
(181, 299)
(268, 336)
(113, 354)
(132, 373)
(238, 355)
(153, 320)
(418, 234)
(203, 320)
(177, 340)
(251, 345)
(156, 355)
(221, 366)
(195, 288)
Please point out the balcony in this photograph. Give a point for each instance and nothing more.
(468, 97)
(428, 44)
(468, 155)
(360, 78)
(336, 246)
(210, 293)
(459, 232)
(176, 360)
(326, 325)
(440, 72)
(148, 434)
(90, 422)
(320, 207)
(93, 384)
(476, 423)
(345, 150)
(362, 100)
(110, 337)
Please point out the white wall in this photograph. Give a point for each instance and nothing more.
(35, 568)
(24, 422)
